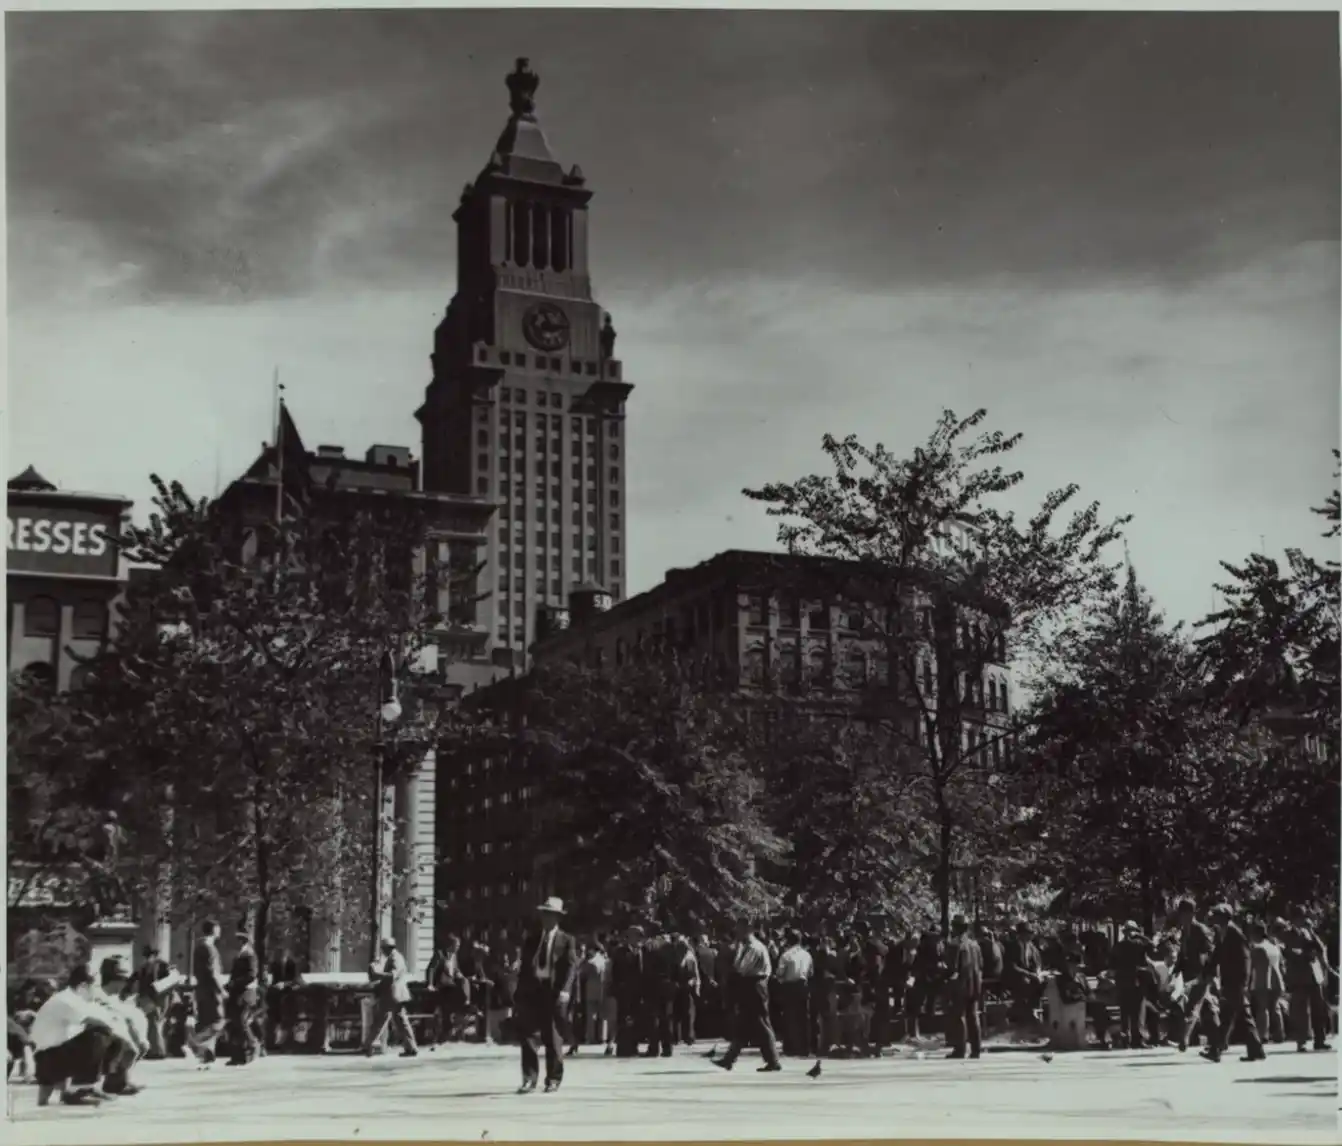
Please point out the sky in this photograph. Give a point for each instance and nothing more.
(1118, 232)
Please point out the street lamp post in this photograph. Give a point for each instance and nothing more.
(389, 712)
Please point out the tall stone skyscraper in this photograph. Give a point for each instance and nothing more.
(527, 401)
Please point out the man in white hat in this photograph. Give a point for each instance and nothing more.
(544, 986)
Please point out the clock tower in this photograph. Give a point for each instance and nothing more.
(527, 402)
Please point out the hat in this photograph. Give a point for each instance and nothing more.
(1131, 926)
(388, 941)
(1221, 911)
(552, 906)
(959, 923)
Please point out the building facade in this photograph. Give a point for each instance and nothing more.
(766, 625)
(63, 577)
(527, 399)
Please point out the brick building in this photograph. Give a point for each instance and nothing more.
(527, 400)
(63, 577)
(767, 623)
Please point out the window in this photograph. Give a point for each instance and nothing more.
(90, 621)
(789, 613)
(576, 423)
(506, 393)
(759, 609)
(505, 486)
(577, 566)
(591, 367)
(1002, 695)
(519, 560)
(482, 462)
(615, 521)
(41, 617)
(591, 473)
(540, 537)
(520, 444)
(482, 485)
(540, 467)
(520, 396)
(556, 364)
(482, 414)
(992, 693)
(556, 515)
(589, 424)
(591, 541)
(577, 471)
(519, 635)
(591, 519)
(557, 401)
(613, 429)
(503, 582)
(482, 437)
(519, 417)
(555, 540)
(614, 474)
(819, 617)
(615, 453)
(614, 568)
(556, 492)
(614, 497)
(519, 464)
(556, 587)
(503, 534)
(614, 544)
(577, 541)
(555, 469)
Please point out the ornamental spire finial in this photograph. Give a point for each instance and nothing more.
(522, 85)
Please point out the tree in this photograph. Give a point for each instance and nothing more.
(240, 700)
(1111, 762)
(61, 824)
(853, 820)
(1270, 658)
(1274, 646)
(945, 579)
(645, 802)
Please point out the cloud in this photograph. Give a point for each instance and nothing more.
(245, 155)
(1207, 411)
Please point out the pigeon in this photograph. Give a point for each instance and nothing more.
(814, 1072)
(1046, 1057)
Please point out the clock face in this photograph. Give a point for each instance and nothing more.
(545, 326)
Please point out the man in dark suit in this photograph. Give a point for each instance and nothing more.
(240, 1002)
(1232, 958)
(207, 971)
(964, 991)
(1196, 943)
(1306, 965)
(1023, 973)
(544, 987)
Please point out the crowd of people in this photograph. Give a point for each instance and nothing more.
(645, 991)
(855, 991)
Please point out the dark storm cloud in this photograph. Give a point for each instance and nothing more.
(244, 155)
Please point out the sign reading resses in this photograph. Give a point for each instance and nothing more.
(71, 540)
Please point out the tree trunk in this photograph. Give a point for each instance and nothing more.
(944, 870)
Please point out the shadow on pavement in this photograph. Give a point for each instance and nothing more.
(1287, 1079)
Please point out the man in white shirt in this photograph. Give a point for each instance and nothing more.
(750, 972)
(391, 993)
(72, 1036)
(127, 1021)
(795, 971)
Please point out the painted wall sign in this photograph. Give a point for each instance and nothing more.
(63, 539)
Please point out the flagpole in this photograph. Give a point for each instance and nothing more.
(279, 448)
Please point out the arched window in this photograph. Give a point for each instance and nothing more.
(41, 617)
(559, 238)
(754, 665)
(1002, 694)
(521, 228)
(992, 693)
(90, 621)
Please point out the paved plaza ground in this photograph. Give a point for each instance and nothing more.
(467, 1093)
